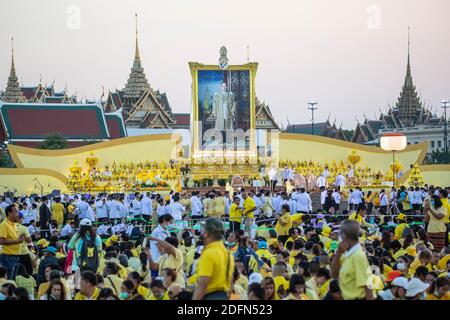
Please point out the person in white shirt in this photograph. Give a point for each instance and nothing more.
(33, 230)
(258, 203)
(383, 202)
(160, 232)
(337, 198)
(358, 196)
(123, 210)
(160, 209)
(90, 212)
(227, 202)
(177, 210)
(136, 206)
(323, 195)
(68, 230)
(121, 227)
(196, 206)
(104, 229)
(101, 210)
(304, 203)
(287, 174)
(340, 181)
(83, 207)
(113, 209)
(268, 207)
(417, 195)
(273, 178)
(146, 207)
(325, 172)
(321, 182)
(351, 204)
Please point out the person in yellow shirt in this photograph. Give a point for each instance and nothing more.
(359, 215)
(58, 211)
(171, 257)
(436, 215)
(111, 279)
(235, 215)
(209, 205)
(158, 290)
(215, 265)
(350, 265)
(401, 220)
(279, 273)
(136, 279)
(219, 205)
(439, 289)
(248, 212)
(284, 223)
(10, 242)
(88, 287)
(297, 288)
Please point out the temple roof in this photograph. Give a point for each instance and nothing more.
(137, 82)
(12, 92)
(324, 129)
(116, 125)
(33, 121)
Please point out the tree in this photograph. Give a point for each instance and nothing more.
(438, 156)
(5, 160)
(348, 134)
(53, 141)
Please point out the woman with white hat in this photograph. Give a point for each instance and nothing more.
(416, 289)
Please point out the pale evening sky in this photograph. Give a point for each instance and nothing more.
(349, 55)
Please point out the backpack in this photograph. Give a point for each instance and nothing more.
(135, 233)
(89, 255)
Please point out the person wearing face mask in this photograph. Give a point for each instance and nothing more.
(128, 291)
(171, 257)
(215, 266)
(158, 291)
(416, 289)
(396, 289)
(160, 232)
(440, 289)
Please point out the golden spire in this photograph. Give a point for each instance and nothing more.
(13, 67)
(137, 56)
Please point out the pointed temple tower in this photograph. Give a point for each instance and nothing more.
(137, 82)
(409, 112)
(408, 104)
(13, 92)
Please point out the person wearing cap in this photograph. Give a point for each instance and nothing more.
(49, 259)
(10, 241)
(396, 289)
(415, 290)
(86, 233)
(215, 266)
(350, 264)
(401, 220)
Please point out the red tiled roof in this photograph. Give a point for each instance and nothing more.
(115, 125)
(182, 118)
(33, 121)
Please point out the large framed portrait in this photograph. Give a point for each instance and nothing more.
(223, 107)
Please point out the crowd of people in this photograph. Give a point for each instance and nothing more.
(270, 244)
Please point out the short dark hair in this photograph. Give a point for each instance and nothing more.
(173, 241)
(9, 209)
(89, 276)
(157, 284)
(257, 290)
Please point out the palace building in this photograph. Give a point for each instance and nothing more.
(409, 116)
(324, 129)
